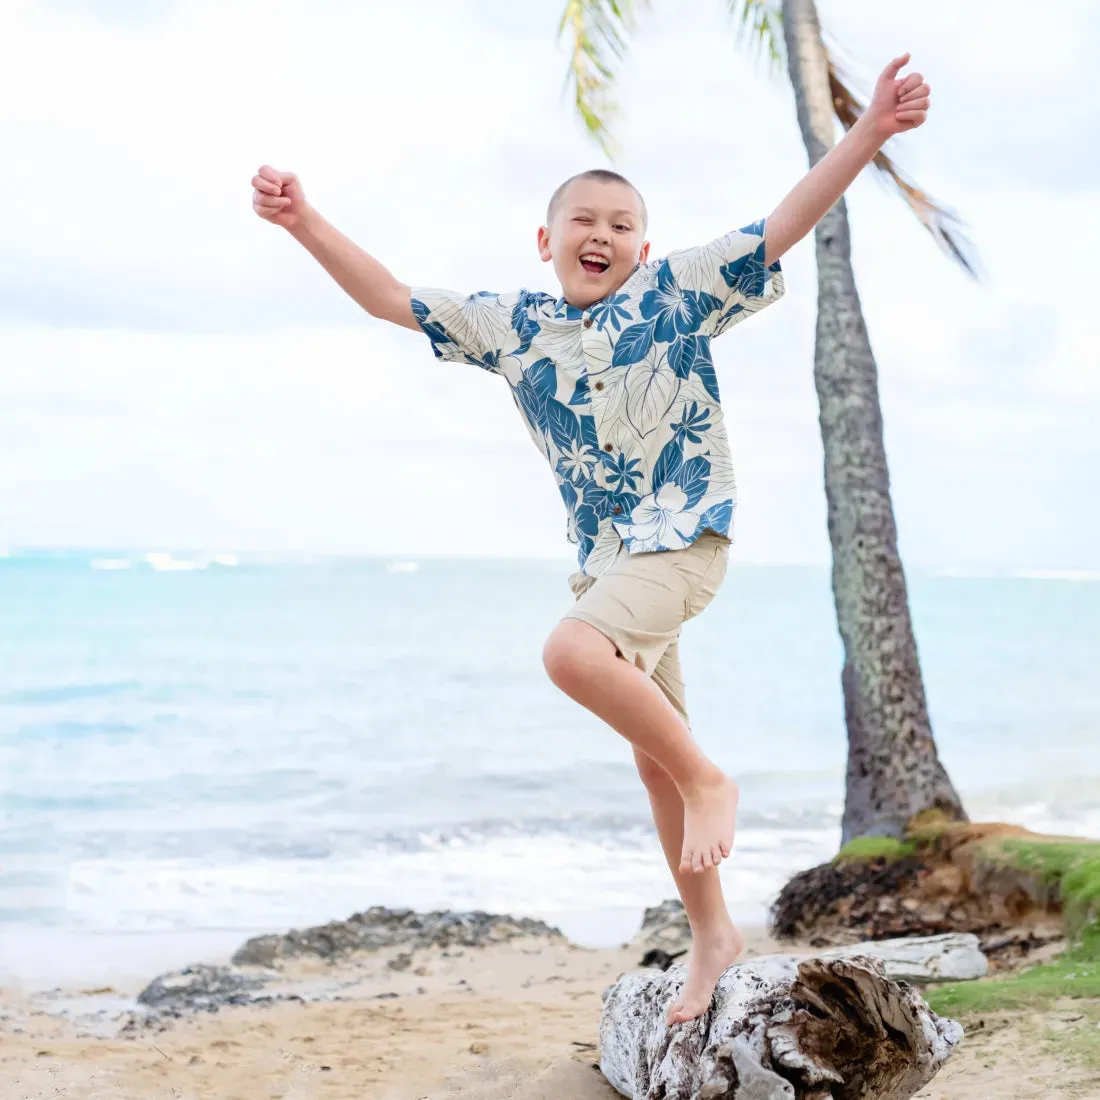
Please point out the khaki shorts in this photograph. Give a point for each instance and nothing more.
(643, 600)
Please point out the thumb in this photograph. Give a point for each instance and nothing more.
(895, 66)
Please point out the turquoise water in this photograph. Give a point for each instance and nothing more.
(203, 747)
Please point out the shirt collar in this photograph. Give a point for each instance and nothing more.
(563, 311)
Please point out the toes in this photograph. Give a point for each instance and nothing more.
(716, 855)
(707, 858)
(697, 862)
(725, 849)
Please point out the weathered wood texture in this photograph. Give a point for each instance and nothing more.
(952, 957)
(780, 1027)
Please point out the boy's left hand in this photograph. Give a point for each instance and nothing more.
(898, 103)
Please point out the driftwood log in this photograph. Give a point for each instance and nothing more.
(953, 957)
(780, 1027)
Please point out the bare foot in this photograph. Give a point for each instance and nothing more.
(711, 955)
(709, 818)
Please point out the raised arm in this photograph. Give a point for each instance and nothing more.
(278, 198)
(896, 106)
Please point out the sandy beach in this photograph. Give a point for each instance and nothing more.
(515, 1021)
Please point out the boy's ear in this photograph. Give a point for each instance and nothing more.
(644, 254)
(544, 244)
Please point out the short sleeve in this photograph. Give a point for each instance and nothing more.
(729, 277)
(463, 328)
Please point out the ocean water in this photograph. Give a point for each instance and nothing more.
(195, 749)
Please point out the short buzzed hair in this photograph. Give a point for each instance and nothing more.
(603, 175)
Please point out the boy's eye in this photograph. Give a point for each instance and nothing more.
(625, 228)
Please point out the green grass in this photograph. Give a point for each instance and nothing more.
(874, 847)
(1070, 975)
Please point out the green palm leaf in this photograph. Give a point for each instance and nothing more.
(595, 34)
(761, 28)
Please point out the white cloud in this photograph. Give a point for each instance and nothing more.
(180, 373)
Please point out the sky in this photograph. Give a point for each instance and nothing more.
(178, 374)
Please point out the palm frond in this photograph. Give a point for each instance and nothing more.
(761, 28)
(944, 224)
(596, 37)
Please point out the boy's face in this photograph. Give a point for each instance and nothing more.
(594, 239)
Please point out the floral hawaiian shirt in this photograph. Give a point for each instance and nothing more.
(621, 397)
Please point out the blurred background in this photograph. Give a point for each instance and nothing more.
(274, 582)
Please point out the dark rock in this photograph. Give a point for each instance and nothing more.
(665, 927)
(401, 962)
(201, 986)
(380, 927)
(660, 959)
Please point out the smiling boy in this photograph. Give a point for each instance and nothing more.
(614, 381)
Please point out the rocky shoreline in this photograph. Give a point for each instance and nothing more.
(263, 970)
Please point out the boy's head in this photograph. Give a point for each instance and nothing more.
(594, 234)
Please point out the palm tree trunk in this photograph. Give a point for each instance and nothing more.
(894, 771)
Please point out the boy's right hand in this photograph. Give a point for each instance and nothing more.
(278, 197)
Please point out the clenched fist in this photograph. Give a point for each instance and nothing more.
(278, 197)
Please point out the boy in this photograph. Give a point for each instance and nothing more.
(615, 383)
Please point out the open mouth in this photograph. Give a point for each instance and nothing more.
(594, 263)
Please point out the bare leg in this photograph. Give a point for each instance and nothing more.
(584, 664)
(715, 940)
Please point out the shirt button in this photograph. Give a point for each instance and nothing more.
(607, 447)
(618, 509)
(599, 385)
(588, 322)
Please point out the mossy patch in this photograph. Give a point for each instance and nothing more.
(866, 848)
(929, 824)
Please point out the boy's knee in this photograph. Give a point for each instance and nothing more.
(572, 653)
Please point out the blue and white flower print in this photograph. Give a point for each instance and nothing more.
(578, 462)
(621, 397)
(663, 519)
